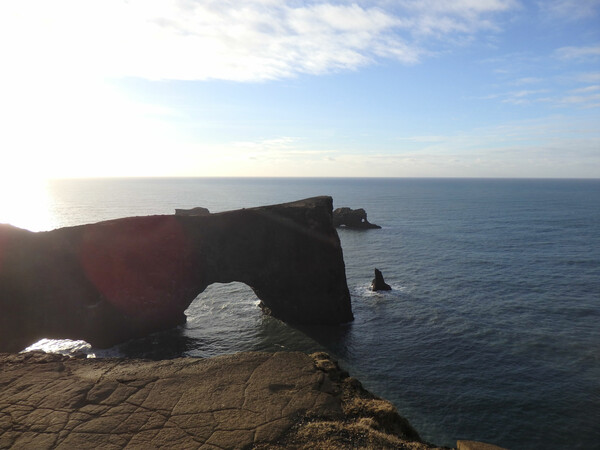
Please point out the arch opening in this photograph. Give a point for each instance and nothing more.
(226, 318)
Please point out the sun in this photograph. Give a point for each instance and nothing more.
(26, 203)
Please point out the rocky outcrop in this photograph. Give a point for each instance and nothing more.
(248, 400)
(112, 281)
(378, 283)
(352, 218)
(197, 211)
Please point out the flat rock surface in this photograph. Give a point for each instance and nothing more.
(260, 400)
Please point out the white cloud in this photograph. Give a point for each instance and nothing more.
(586, 89)
(588, 77)
(569, 9)
(440, 25)
(523, 97)
(589, 100)
(585, 97)
(560, 87)
(527, 80)
(579, 53)
(249, 40)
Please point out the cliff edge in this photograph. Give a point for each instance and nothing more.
(247, 400)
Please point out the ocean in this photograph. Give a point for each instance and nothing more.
(491, 331)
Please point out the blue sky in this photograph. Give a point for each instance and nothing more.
(465, 88)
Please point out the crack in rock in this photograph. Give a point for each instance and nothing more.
(246, 400)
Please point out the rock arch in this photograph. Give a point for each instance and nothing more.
(115, 280)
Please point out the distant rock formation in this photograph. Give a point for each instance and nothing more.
(378, 283)
(352, 218)
(119, 279)
(197, 211)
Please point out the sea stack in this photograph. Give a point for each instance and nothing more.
(352, 218)
(378, 283)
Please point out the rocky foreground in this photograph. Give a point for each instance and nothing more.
(248, 400)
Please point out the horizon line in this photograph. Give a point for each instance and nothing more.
(250, 177)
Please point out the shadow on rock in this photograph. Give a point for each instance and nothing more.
(334, 339)
(169, 344)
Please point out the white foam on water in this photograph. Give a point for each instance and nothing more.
(71, 347)
(60, 346)
(364, 290)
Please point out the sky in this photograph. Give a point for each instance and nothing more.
(379, 88)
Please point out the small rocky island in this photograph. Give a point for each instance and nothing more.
(352, 218)
(378, 283)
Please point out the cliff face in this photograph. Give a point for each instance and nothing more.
(115, 280)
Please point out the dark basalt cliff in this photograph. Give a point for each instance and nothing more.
(115, 280)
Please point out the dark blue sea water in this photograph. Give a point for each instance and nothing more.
(491, 331)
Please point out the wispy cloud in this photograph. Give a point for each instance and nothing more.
(276, 149)
(569, 9)
(579, 54)
(565, 84)
(527, 80)
(270, 144)
(433, 17)
(587, 100)
(523, 96)
(428, 139)
(554, 146)
(585, 97)
(251, 40)
(586, 89)
(588, 77)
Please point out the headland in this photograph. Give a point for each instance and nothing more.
(246, 400)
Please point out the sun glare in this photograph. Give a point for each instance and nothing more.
(26, 204)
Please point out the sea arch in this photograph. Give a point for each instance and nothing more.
(124, 278)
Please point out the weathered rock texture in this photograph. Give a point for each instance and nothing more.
(378, 283)
(115, 280)
(261, 400)
(352, 218)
